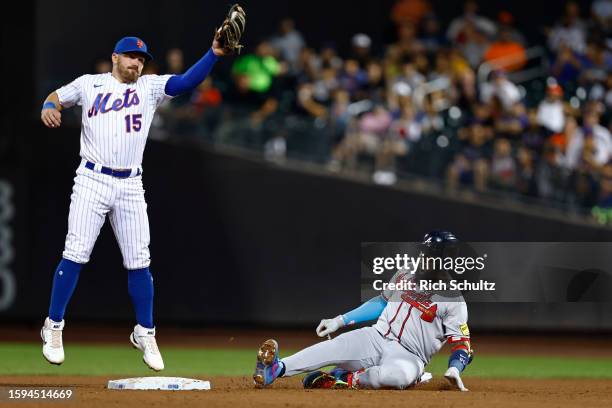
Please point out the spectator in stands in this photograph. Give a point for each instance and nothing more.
(206, 96)
(431, 38)
(373, 88)
(288, 43)
(329, 57)
(387, 109)
(325, 85)
(366, 138)
(407, 43)
(551, 113)
(463, 76)
(564, 143)
(175, 61)
(312, 105)
(499, 87)
(570, 30)
(339, 115)
(512, 124)
(525, 171)
(405, 130)
(442, 68)
(251, 100)
(505, 20)
(592, 147)
(403, 133)
(533, 137)
(597, 63)
(567, 65)
(601, 11)
(308, 65)
(361, 45)
(259, 68)
(470, 166)
(506, 53)
(409, 76)
(352, 77)
(503, 167)
(430, 120)
(470, 19)
(474, 44)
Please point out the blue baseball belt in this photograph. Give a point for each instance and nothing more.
(119, 173)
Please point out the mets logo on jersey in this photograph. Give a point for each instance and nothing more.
(100, 104)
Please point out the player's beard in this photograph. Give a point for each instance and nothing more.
(128, 74)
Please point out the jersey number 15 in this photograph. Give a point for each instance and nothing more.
(133, 122)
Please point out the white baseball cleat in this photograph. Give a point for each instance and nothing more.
(53, 347)
(424, 378)
(453, 377)
(144, 340)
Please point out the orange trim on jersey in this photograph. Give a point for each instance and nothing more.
(459, 347)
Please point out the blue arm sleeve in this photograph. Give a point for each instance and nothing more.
(188, 81)
(370, 310)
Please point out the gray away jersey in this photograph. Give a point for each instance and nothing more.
(420, 321)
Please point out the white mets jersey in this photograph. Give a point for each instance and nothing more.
(116, 116)
(420, 321)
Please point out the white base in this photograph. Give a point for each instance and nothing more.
(158, 383)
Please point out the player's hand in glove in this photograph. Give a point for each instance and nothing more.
(227, 37)
(328, 326)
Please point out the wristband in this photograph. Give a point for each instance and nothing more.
(49, 105)
(459, 359)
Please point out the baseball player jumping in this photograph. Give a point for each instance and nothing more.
(412, 326)
(118, 108)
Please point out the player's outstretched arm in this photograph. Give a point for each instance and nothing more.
(370, 310)
(187, 82)
(50, 113)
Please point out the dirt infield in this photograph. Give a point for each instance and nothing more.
(238, 392)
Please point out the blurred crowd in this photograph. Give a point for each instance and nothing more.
(472, 103)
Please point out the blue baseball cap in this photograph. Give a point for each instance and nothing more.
(132, 44)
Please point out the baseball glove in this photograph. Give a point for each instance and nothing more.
(231, 30)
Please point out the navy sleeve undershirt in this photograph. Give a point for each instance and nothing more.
(188, 81)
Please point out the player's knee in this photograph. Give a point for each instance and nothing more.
(80, 257)
(132, 264)
(138, 260)
(398, 376)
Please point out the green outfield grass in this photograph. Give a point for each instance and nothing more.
(26, 359)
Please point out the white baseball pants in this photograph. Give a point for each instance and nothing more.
(96, 195)
(387, 364)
